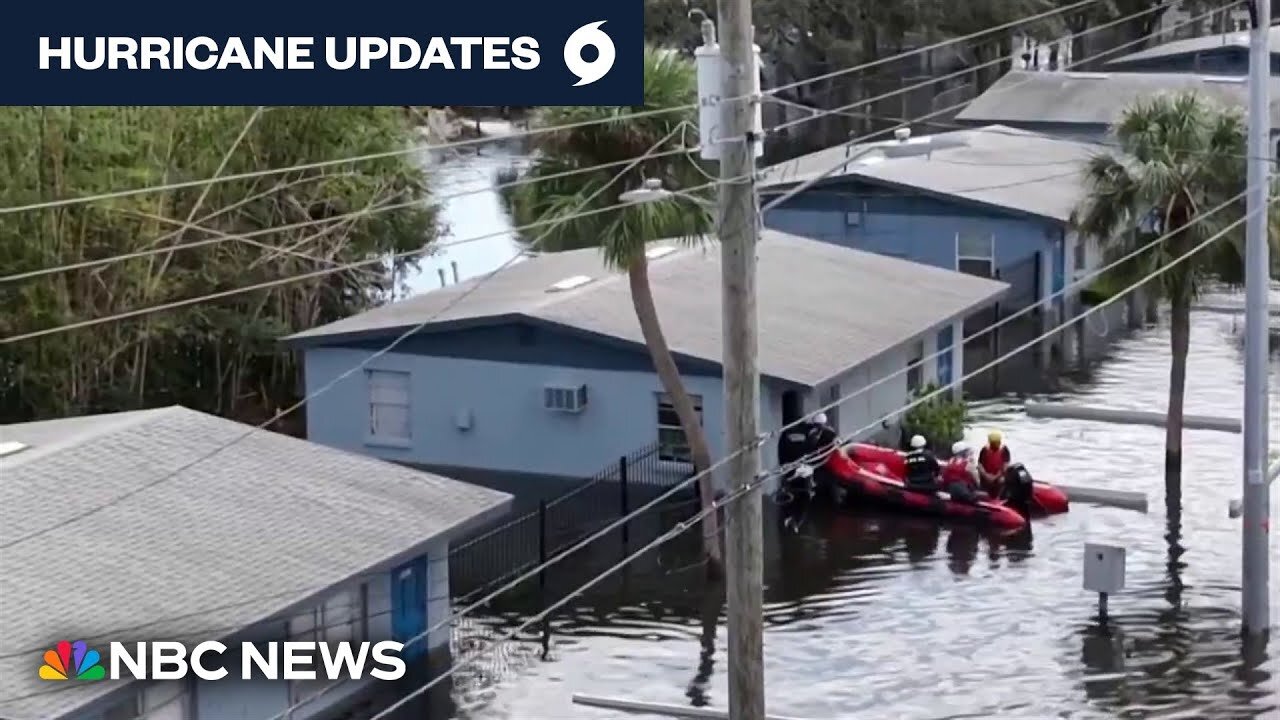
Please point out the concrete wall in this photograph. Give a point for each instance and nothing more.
(235, 699)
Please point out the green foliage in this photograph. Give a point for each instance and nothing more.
(220, 356)
(621, 233)
(1180, 156)
(940, 419)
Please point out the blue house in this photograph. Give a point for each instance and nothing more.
(543, 370)
(993, 202)
(1083, 106)
(175, 525)
(1225, 54)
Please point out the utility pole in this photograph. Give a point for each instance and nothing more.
(1255, 563)
(738, 228)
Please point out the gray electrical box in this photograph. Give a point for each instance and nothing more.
(1103, 568)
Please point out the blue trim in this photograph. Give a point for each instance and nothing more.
(944, 358)
(409, 606)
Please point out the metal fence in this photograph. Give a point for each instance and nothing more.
(516, 544)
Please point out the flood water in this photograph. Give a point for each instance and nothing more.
(881, 617)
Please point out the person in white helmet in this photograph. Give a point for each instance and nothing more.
(922, 466)
(960, 477)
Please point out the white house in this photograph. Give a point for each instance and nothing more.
(170, 524)
(542, 369)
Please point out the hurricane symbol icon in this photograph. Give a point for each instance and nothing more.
(589, 72)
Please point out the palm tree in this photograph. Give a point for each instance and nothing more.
(613, 139)
(1179, 157)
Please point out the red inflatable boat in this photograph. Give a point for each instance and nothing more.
(1047, 499)
(855, 484)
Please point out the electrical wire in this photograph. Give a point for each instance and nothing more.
(374, 356)
(533, 132)
(843, 110)
(610, 527)
(792, 192)
(886, 378)
(763, 478)
(745, 489)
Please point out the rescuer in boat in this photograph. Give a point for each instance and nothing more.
(961, 477)
(993, 459)
(922, 466)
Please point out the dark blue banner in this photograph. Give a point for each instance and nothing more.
(287, 52)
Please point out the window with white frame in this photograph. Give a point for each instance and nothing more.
(915, 367)
(672, 443)
(388, 405)
(152, 700)
(340, 617)
(976, 254)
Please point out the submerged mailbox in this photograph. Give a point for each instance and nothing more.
(1103, 568)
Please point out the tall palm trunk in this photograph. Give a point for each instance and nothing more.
(1180, 341)
(665, 365)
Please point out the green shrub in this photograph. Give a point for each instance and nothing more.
(940, 419)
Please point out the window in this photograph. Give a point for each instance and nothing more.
(672, 444)
(915, 368)
(975, 254)
(388, 405)
(339, 618)
(565, 399)
(164, 700)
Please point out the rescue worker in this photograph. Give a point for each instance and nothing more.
(992, 461)
(822, 437)
(922, 466)
(960, 477)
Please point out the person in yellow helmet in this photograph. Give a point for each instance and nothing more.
(992, 461)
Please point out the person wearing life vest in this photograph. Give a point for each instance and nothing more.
(922, 466)
(992, 461)
(960, 477)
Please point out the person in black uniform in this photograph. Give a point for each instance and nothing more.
(922, 466)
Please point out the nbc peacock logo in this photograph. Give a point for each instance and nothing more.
(72, 661)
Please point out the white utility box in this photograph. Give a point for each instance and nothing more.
(1103, 568)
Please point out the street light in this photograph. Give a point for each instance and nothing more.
(651, 191)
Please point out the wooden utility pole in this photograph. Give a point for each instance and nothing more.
(738, 228)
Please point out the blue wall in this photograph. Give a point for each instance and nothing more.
(914, 227)
(485, 414)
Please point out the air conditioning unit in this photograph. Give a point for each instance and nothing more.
(567, 399)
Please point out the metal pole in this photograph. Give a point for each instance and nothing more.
(739, 230)
(1255, 600)
(624, 509)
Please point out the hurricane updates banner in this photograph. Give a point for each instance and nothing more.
(287, 52)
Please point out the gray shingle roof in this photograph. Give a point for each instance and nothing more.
(1031, 96)
(1191, 46)
(998, 166)
(822, 308)
(259, 527)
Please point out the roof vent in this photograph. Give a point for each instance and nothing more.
(658, 251)
(902, 134)
(570, 283)
(1088, 75)
(11, 447)
(1224, 79)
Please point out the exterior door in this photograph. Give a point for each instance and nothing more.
(409, 606)
(944, 356)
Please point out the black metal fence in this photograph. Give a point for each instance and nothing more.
(515, 544)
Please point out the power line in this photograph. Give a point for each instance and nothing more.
(382, 260)
(768, 475)
(684, 150)
(532, 132)
(448, 306)
(984, 331)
